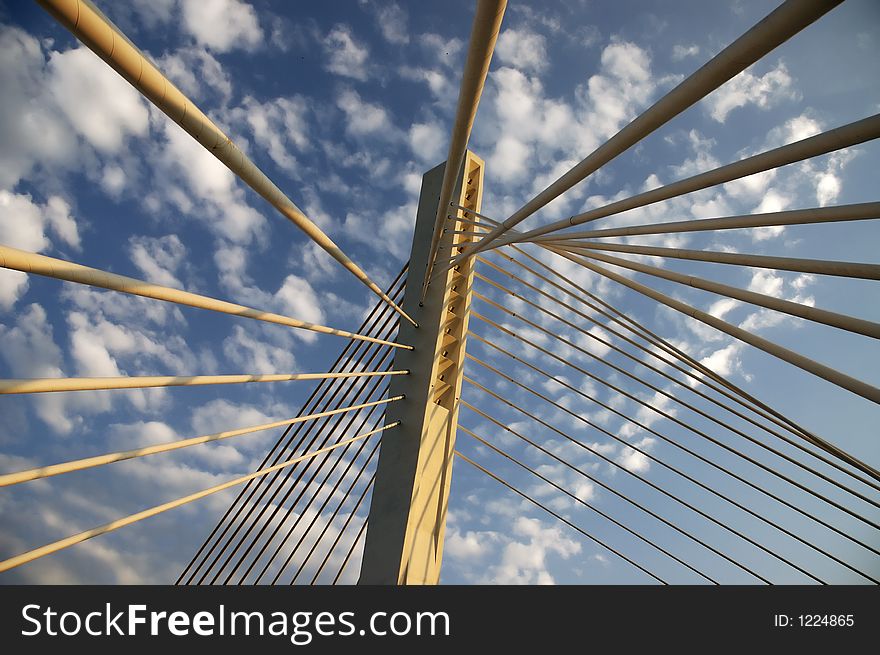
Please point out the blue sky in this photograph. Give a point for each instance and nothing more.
(344, 105)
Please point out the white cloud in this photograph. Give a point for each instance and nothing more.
(13, 285)
(746, 88)
(829, 182)
(111, 334)
(99, 104)
(585, 491)
(680, 52)
(153, 13)
(222, 25)
(525, 562)
(140, 433)
(702, 161)
(23, 225)
(827, 189)
(766, 282)
(467, 546)
(794, 290)
(724, 361)
(396, 223)
(772, 201)
(633, 460)
(751, 187)
(113, 180)
(97, 344)
(158, 258)
(427, 141)
(30, 350)
(364, 118)
(219, 415)
(624, 84)
(122, 308)
(392, 20)
(253, 355)
(297, 298)
(32, 129)
(524, 130)
(197, 73)
(280, 126)
(510, 159)
(222, 204)
(522, 49)
(720, 308)
(441, 86)
(344, 55)
(316, 262)
(795, 129)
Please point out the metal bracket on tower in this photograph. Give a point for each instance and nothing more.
(407, 521)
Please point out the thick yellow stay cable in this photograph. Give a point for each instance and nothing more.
(54, 547)
(484, 34)
(91, 27)
(20, 260)
(100, 460)
(46, 385)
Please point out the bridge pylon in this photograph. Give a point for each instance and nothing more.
(407, 520)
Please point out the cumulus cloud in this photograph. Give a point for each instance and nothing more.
(522, 49)
(197, 73)
(427, 141)
(222, 25)
(140, 433)
(468, 546)
(30, 351)
(525, 562)
(363, 118)
(724, 361)
(56, 103)
(297, 298)
(254, 355)
(680, 52)
(766, 282)
(439, 84)
(221, 202)
(280, 127)
(636, 461)
(397, 223)
(294, 296)
(158, 258)
(99, 104)
(113, 180)
(345, 56)
(393, 23)
(526, 128)
(110, 334)
(219, 415)
(795, 129)
(24, 225)
(746, 88)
